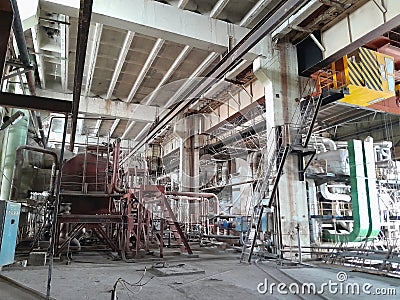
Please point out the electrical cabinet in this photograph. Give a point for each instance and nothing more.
(9, 218)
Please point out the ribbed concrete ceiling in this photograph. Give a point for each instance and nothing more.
(127, 66)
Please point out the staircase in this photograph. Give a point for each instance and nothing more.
(279, 147)
(174, 226)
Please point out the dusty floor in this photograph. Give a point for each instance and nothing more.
(217, 275)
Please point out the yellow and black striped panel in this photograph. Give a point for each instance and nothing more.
(371, 71)
(355, 73)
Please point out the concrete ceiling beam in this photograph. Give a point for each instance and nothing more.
(218, 8)
(114, 126)
(149, 61)
(182, 4)
(108, 108)
(120, 62)
(177, 25)
(169, 73)
(254, 12)
(296, 19)
(354, 32)
(93, 57)
(198, 72)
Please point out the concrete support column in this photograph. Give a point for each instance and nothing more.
(278, 73)
(189, 130)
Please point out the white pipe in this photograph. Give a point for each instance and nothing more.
(329, 144)
(333, 196)
(313, 208)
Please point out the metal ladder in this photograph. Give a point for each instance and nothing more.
(263, 194)
(262, 197)
(175, 227)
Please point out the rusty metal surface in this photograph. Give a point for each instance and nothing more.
(6, 17)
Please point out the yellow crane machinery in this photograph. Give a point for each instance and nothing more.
(369, 77)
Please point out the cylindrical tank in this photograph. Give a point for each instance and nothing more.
(85, 173)
(84, 184)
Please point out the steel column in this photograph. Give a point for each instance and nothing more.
(85, 14)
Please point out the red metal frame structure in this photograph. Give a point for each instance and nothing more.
(120, 218)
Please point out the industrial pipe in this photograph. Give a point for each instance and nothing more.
(333, 196)
(194, 194)
(24, 56)
(114, 187)
(19, 160)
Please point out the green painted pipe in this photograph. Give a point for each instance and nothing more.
(359, 198)
(14, 137)
(372, 192)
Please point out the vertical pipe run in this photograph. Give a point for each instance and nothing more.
(6, 17)
(85, 13)
(24, 56)
(54, 230)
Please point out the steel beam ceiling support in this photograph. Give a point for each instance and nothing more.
(120, 62)
(85, 14)
(228, 62)
(35, 103)
(218, 8)
(6, 18)
(146, 67)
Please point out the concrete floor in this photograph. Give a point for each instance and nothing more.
(93, 277)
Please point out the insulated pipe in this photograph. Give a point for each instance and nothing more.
(331, 196)
(19, 160)
(24, 56)
(114, 187)
(313, 209)
(329, 144)
(194, 194)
